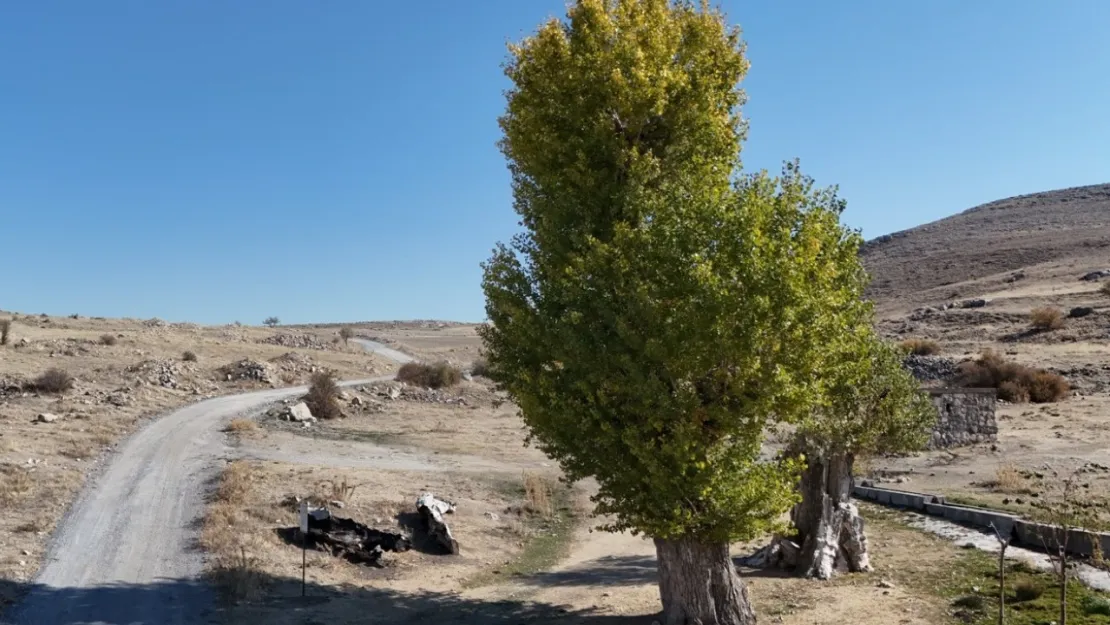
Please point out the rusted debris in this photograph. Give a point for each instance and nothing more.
(431, 512)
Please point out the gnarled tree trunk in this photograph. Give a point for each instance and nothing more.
(829, 529)
(699, 585)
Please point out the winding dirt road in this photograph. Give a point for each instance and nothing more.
(126, 553)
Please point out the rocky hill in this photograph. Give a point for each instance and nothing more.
(1056, 234)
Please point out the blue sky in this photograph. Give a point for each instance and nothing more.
(213, 161)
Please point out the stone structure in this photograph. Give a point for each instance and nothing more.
(965, 416)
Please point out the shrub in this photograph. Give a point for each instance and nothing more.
(53, 381)
(1008, 479)
(537, 494)
(1095, 605)
(921, 347)
(1013, 392)
(346, 334)
(480, 367)
(1045, 387)
(189, 356)
(271, 321)
(6, 328)
(1046, 318)
(1014, 382)
(241, 426)
(323, 396)
(438, 375)
(1028, 591)
(1105, 289)
(108, 339)
(970, 602)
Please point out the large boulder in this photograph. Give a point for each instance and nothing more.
(299, 412)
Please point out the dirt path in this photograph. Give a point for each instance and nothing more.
(125, 552)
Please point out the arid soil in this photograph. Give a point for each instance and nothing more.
(125, 371)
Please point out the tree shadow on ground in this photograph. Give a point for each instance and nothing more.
(193, 601)
(605, 571)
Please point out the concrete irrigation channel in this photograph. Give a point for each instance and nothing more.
(969, 525)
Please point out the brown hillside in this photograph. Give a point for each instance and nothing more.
(1066, 231)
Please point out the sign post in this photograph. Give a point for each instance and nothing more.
(304, 541)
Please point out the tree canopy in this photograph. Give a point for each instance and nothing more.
(659, 310)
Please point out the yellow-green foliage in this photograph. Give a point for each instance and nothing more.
(653, 316)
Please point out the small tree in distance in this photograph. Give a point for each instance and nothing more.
(656, 314)
(346, 333)
(271, 321)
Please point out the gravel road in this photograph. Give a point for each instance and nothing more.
(125, 553)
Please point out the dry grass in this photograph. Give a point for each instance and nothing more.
(241, 426)
(438, 375)
(235, 483)
(1046, 318)
(108, 339)
(1015, 383)
(323, 396)
(54, 380)
(238, 577)
(1009, 480)
(338, 490)
(234, 572)
(921, 347)
(537, 494)
(15, 484)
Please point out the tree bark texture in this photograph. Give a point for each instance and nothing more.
(699, 585)
(830, 531)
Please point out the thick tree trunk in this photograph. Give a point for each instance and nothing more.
(699, 585)
(830, 531)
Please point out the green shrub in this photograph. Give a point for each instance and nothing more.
(1095, 605)
(1028, 591)
(108, 339)
(323, 396)
(53, 381)
(438, 375)
(271, 321)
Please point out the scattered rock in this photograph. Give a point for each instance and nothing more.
(1080, 311)
(931, 368)
(1096, 275)
(299, 413)
(302, 341)
(973, 303)
(46, 417)
(357, 401)
(885, 584)
(248, 369)
(492, 516)
(1014, 277)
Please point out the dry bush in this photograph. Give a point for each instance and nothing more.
(346, 334)
(15, 484)
(6, 329)
(1009, 480)
(921, 347)
(108, 339)
(537, 494)
(189, 356)
(1045, 387)
(1028, 590)
(235, 483)
(53, 381)
(1014, 382)
(480, 367)
(1105, 289)
(338, 490)
(237, 576)
(438, 375)
(323, 396)
(1046, 318)
(241, 426)
(78, 450)
(289, 379)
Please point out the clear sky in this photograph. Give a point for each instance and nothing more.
(213, 161)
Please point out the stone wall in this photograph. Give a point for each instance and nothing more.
(965, 416)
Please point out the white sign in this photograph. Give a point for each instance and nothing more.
(304, 516)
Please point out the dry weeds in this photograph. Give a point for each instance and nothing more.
(921, 347)
(241, 426)
(54, 380)
(1009, 480)
(537, 494)
(16, 484)
(1046, 318)
(1015, 383)
(438, 375)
